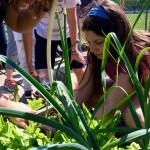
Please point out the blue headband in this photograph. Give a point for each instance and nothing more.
(98, 11)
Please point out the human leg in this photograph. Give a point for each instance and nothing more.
(40, 58)
(92, 101)
(40, 52)
(77, 62)
(77, 67)
(127, 116)
(43, 73)
(12, 55)
(23, 64)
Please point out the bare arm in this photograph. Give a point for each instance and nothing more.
(75, 53)
(73, 27)
(116, 95)
(3, 100)
(28, 44)
(84, 90)
(6, 103)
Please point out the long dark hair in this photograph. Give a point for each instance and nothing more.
(119, 24)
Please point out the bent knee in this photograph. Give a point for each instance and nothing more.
(128, 118)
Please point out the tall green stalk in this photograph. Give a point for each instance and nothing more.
(65, 53)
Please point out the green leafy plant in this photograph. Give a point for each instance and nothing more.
(79, 129)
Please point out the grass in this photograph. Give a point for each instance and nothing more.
(141, 23)
(132, 17)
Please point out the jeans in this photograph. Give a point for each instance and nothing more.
(11, 51)
(16, 53)
(23, 62)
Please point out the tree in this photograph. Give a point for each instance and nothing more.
(133, 4)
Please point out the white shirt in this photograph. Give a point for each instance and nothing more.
(42, 27)
(78, 2)
(18, 36)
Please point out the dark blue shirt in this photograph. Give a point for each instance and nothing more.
(3, 41)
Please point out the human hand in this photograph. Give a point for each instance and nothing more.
(33, 71)
(19, 107)
(77, 65)
(78, 56)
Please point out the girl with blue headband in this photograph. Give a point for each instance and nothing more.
(103, 18)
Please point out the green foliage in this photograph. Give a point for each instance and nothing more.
(140, 25)
(61, 137)
(134, 4)
(16, 96)
(132, 146)
(78, 128)
(36, 104)
(16, 138)
(70, 146)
